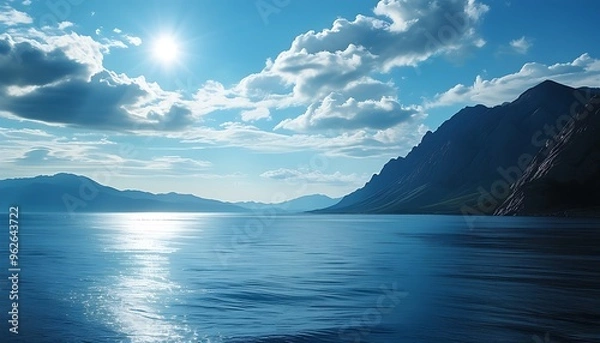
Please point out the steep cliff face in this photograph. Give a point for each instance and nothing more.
(458, 164)
(564, 177)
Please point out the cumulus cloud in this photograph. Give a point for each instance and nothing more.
(334, 74)
(44, 82)
(348, 60)
(22, 64)
(521, 45)
(78, 48)
(11, 17)
(414, 30)
(78, 102)
(65, 24)
(337, 112)
(336, 78)
(213, 96)
(583, 71)
(176, 117)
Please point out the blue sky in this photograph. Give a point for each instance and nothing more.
(264, 99)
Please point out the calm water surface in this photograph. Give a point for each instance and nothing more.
(166, 277)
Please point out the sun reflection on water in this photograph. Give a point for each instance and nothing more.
(139, 295)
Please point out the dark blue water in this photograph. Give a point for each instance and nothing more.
(229, 278)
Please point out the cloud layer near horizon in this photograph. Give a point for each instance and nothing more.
(581, 72)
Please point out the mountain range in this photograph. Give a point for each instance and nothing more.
(536, 155)
(74, 193)
(539, 154)
(302, 204)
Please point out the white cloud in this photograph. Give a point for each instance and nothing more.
(355, 144)
(213, 96)
(80, 48)
(65, 24)
(314, 176)
(88, 153)
(176, 164)
(68, 80)
(408, 134)
(521, 45)
(583, 71)
(133, 40)
(26, 2)
(113, 43)
(37, 148)
(349, 59)
(11, 17)
(337, 79)
(256, 114)
(337, 113)
(480, 42)
(137, 41)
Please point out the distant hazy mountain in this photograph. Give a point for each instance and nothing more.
(67, 192)
(469, 163)
(302, 204)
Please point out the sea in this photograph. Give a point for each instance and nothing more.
(269, 277)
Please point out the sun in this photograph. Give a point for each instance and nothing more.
(166, 49)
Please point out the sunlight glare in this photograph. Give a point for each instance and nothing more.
(166, 49)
